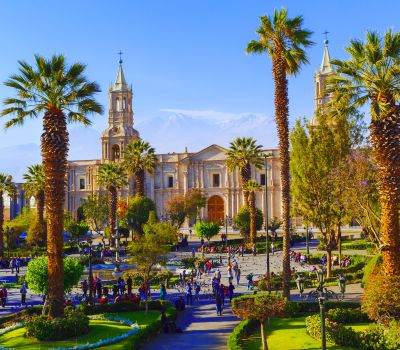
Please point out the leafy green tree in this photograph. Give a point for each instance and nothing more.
(242, 220)
(37, 274)
(284, 40)
(34, 186)
(182, 206)
(139, 157)
(139, 209)
(7, 186)
(251, 187)
(76, 228)
(358, 177)
(95, 210)
(315, 156)
(274, 224)
(149, 249)
(206, 230)
(242, 153)
(62, 94)
(260, 308)
(113, 177)
(371, 76)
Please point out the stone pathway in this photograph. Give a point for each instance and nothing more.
(202, 329)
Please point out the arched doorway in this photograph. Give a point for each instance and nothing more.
(216, 210)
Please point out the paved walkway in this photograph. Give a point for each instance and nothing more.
(202, 329)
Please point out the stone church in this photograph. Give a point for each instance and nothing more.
(177, 173)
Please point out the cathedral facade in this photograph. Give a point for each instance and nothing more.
(177, 173)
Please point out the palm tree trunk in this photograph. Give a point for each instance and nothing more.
(1, 224)
(139, 178)
(245, 175)
(282, 123)
(54, 153)
(386, 147)
(112, 210)
(252, 210)
(40, 216)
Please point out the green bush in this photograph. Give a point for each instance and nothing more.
(343, 315)
(75, 324)
(301, 308)
(373, 263)
(392, 336)
(241, 331)
(242, 220)
(125, 306)
(357, 245)
(373, 338)
(336, 332)
(20, 316)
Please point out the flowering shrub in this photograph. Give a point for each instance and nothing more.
(336, 332)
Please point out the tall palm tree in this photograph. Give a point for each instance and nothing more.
(7, 186)
(251, 187)
(63, 94)
(139, 157)
(244, 151)
(113, 177)
(34, 186)
(371, 76)
(284, 40)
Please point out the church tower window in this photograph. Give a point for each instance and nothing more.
(118, 104)
(123, 103)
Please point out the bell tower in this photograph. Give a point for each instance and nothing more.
(120, 129)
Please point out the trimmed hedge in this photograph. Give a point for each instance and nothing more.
(125, 306)
(20, 316)
(241, 331)
(302, 308)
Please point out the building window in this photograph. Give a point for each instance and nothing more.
(123, 103)
(215, 181)
(170, 181)
(81, 184)
(262, 180)
(118, 104)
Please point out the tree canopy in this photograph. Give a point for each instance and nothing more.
(206, 230)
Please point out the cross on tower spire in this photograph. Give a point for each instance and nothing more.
(120, 56)
(326, 36)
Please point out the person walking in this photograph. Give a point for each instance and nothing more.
(218, 304)
(238, 273)
(163, 292)
(231, 288)
(99, 287)
(196, 292)
(273, 248)
(129, 284)
(23, 294)
(250, 284)
(85, 288)
(17, 264)
(3, 296)
(254, 249)
(189, 296)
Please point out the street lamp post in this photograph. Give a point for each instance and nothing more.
(226, 231)
(266, 217)
(90, 273)
(322, 311)
(307, 241)
(8, 241)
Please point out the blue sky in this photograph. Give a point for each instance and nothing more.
(185, 60)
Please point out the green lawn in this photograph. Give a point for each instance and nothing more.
(100, 329)
(290, 334)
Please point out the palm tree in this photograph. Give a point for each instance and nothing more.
(64, 95)
(113, 177)
(284, 40)
(371, 76)
(251, 187)
(139, 157)
(34, 186)
(7, 186)
(244, 151)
